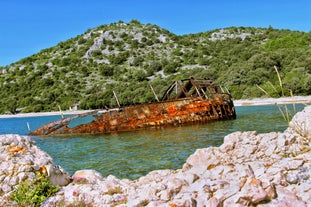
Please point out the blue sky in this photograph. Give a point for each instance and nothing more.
(28, 26)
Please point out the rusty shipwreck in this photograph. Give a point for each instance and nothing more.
(184, 102)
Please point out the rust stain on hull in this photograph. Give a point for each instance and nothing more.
(187, 101)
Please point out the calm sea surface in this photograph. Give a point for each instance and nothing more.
(131, 155)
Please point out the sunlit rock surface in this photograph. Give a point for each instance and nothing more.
(21, 160)
(248, 169)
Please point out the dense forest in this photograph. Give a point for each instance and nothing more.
(128, 57)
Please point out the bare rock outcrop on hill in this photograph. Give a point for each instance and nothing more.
(248, 169)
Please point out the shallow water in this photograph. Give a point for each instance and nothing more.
(133, 154)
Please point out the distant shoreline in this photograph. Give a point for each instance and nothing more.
(242, 102)
(273, 101)
(35, 114)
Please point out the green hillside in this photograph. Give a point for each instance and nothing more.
(128, 57)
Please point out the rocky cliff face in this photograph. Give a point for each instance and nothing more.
(248, 169)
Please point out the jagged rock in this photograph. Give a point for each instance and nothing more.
(248, 169)
(21, 160)
(57, 175)
(301, 123)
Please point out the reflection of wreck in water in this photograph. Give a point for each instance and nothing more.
(185, 101)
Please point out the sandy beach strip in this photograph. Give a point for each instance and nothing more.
(273, 101)
(242, 102)
(36, 114)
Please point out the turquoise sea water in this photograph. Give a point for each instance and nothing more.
(133, 154)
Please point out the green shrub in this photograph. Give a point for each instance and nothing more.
(35, 192)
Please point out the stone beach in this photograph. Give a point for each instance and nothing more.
(248, 169)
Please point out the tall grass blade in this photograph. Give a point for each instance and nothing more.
(273, 87)
(294, 105)
(280, 80)
(282, 112)
(263, 90)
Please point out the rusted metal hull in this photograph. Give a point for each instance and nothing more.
(185, 101)
(154, 115)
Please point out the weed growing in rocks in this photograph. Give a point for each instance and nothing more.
(34, 193)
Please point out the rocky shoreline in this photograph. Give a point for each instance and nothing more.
(248, 169)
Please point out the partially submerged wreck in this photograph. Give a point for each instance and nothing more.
(184, 102)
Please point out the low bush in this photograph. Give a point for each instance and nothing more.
(34, 193)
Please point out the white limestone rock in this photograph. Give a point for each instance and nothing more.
(248, 169)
